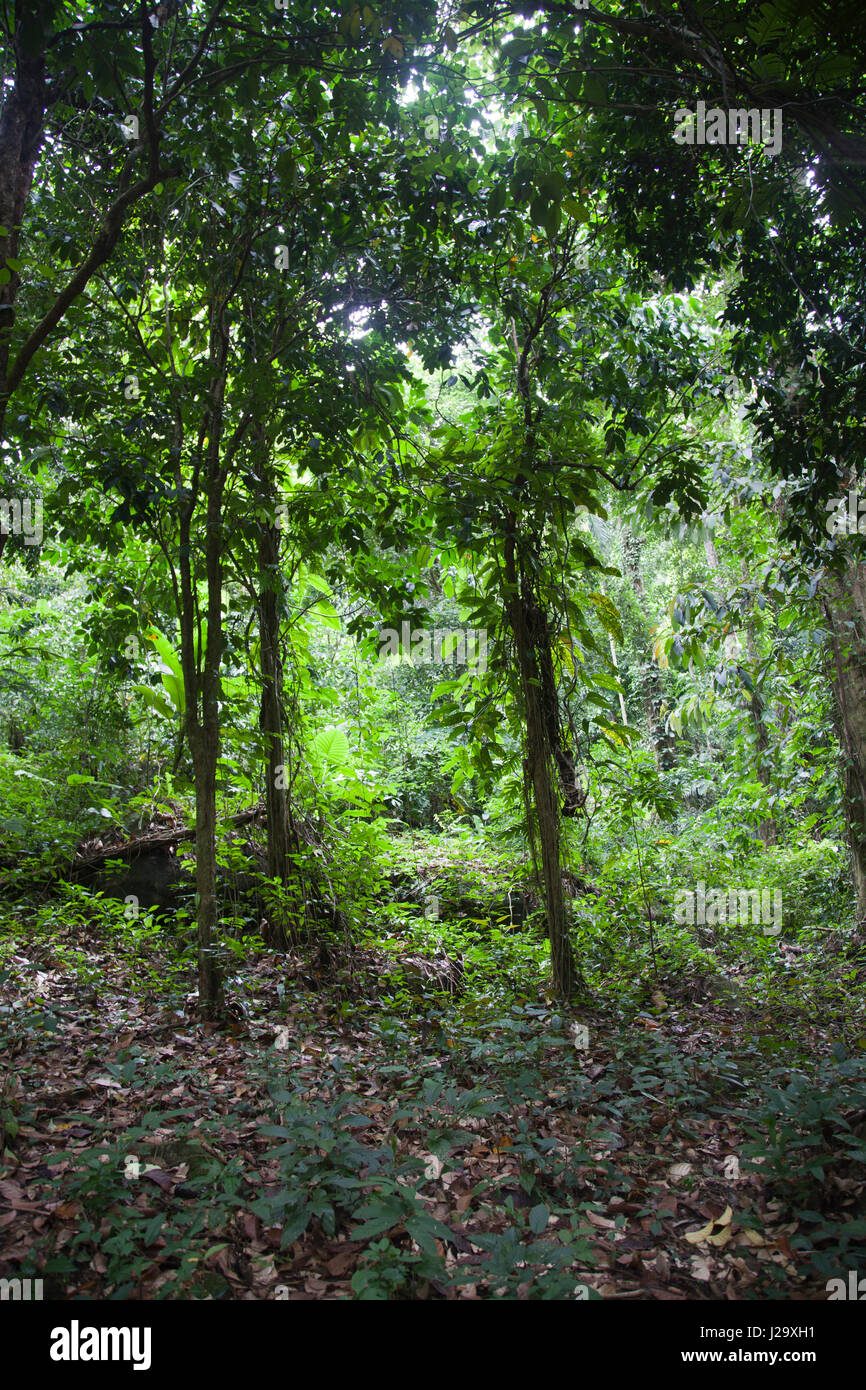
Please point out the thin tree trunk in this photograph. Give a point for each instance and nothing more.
(539, 767)
(844, 597)
(201, 670)
(767, 829)
(271, 709)
(531, 635)
(270, 717)
(210, 986)
(21, 134)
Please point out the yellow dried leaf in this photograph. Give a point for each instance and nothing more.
(709, 1231)
(753, 1237)
(703, 1234)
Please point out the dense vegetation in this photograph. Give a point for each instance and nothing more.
(432, 650)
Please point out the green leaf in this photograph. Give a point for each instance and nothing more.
(424, 1229)
(166, 651)
(608, 616)
(153, 1228)
(153, 698)
(552, 219)
(595, 91)
(321, 585)
(174, 690)
(327, 615)
(538, 208)
(444, 688)
(578, 212)
(606, 682)
(538, 1219)
(173, 682)
(331, 746)
(295, 1226)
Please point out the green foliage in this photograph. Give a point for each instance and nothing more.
(303, 340)
(802, 1131)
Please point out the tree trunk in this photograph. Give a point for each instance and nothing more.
(201, 657)
(271, 709)
(767, 829)
(270, 717)
(205, 754)
(539, 769)
(204, 740)
(529, 627)
(844, 596)
(21, 133)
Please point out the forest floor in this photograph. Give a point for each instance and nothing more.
(338, 1140)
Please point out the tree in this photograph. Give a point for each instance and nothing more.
(125, 105)
(782, 228)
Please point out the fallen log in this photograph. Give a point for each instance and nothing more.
(143, 844)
